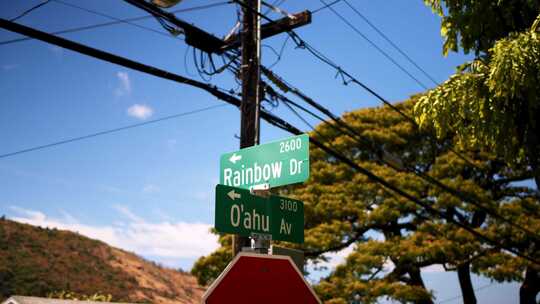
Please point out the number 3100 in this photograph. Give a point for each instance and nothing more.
(288, 205)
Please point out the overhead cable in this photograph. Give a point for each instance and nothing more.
(392, 43)
(128, 21)
(29, 10)
(91, 135)
(378, 48)
(395, 163)
(269, 117)
(348, 78)
(324, 7)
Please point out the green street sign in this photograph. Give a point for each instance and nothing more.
(240, 212)
(278, 163)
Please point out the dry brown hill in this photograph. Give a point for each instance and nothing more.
(35, 261)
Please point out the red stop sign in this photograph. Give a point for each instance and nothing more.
(258, 278)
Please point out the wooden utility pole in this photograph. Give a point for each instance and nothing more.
(250, 42)
(251, 90)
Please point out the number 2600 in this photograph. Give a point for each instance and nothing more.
(290, 145)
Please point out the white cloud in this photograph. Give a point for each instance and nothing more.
(123, 210)
(323, 269)
(388, 266)
(162, 215)
(339, 257)
(433, 268)
(334, 259)
(171, 144)
(125, 84)
(149, 188)
(57, 51)
(202, 196)
(9, 67)
(111, 189)
(140, 111)
(160, 240)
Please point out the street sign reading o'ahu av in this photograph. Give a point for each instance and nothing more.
(262, 279)
(277, 163)
(240, 212)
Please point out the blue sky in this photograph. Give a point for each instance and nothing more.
(150, 189)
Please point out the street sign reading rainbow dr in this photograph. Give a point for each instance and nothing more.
(277, 163)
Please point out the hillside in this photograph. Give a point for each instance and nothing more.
(35, 261)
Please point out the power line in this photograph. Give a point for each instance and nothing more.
(281, 50)
(339, 156)
(30, 10)
(88, 136)
(195, 36)
(286, 102)
(269, 117)
(128, 21)
(415, 171)
(340, 125)
(274, 6)
(112, 58)
(346, 129)
(436, 182)
(302, 44)
(109, 16)
(383, 156)
(82, 28)
(458, 297)
(183, 10)
(201, 70)
(188, 9)
(398, 191)
(324, 7)
(374, 45)
(394, 45)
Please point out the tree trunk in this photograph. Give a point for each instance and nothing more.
(532, 150)
(530, 287)
(467, 291)
(531, 284)
(416, 280)
(528, 126)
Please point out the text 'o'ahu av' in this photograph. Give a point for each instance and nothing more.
(240, 212)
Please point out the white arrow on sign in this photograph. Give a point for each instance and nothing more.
(233, 195)
(234, 158)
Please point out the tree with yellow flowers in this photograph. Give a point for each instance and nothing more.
(492, 102)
